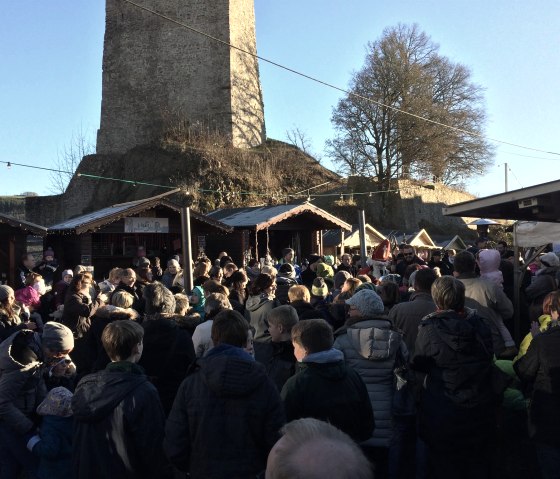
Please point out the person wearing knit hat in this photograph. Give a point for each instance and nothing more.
(12, 317)
(48, 266)
(339, 278)
(550, 260)
(366, 302)
(5, 292)
(57, 338)
(319, 288)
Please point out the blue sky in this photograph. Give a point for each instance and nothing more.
(51, 52)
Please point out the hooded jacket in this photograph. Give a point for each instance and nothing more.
(225, 419)
(283, 285)
(119, 425)
(10, 323)
(458, 400)
(325, 388)
(370, 347)
(22, 387)
(256, 309)
(489, 264)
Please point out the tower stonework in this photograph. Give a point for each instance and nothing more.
(156, 72)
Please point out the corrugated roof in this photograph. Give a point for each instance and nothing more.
(95, 219)
(262, 217)
(24, 225)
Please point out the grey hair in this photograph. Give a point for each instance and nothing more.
(448, 293)
(285, 315)
(158, 299)
(348, 463)
(215, 303)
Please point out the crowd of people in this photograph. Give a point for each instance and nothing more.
(334, 367)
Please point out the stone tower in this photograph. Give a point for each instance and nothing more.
(156, 72)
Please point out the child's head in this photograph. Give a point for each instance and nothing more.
(299, 293)
(122, 340)
(122, 299)
(280, 321)
(32, 278)
(311, 336)
(67, 276)
(115, 275)
(229, 327)
(350, 285)
(56, 403)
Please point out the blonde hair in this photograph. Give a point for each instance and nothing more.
(114, 274)
(122, 299)
(299, 293)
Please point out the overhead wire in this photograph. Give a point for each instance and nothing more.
(330, 85)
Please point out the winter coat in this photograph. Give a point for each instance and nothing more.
(55, 448)
(283, 285)
(78, 311)
(302, 308)
(168, 353)
(237, 301)
(544, 282)
(225, 419)
(10, 323)
(202, 338)
(60, 290)
(401, 267)
(457, 398)
(322, 310)
(544, 322)
(325, 388)
(541, 366)
(103, 316)
(47, 269)
(119, 425)
(445, 267)
(22, 387)
(406, 317)
(370, 347)
(490, 302)
(278, 359)
(489, 264)
(256, 310)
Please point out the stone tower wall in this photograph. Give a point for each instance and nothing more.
(156, 72)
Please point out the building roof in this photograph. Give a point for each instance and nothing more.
(535, 203)
(454, 243)
(332, 237)
(96, 219)
(302, 216)
(32, 228)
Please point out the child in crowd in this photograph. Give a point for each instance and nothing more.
(489, 264)
(53, 445)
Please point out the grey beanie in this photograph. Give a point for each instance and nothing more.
(5, 291)
(340, 277)
(57, 337)
(367, 302)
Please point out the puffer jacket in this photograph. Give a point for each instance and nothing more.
(256, 310)
(225, 419)
(370, 347)
(22, 387)
(457, 398)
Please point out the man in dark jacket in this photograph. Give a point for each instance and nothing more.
(119, 420)
(410, 258)
(407, 316)
(457, 409)
(326, 388)
(227, 414)
(437, 261)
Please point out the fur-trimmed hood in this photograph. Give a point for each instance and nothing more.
(114, 313)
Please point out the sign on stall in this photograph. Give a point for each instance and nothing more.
(146, 225)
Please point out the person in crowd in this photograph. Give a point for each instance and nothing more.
(300, 299)
(277, 356)
(540, 366)
(325, 387)
(325, 271)
(284, 281)
(216, 274)
(169, 275)
(185, 317)
(544, 282)
(339, 279)
(130, 285)
(200, 272)
(229, 269)
(270, 270)
(227, 413)
(118, 417)
(61, 287)
(53, 445)
(288, 257)
(168, 350)
(119, 309)
(197, 299)
(347, 291)
(502, 248)
(316, 449)
(108, 286)
(488, 261)
(48, 266)
(409, 257)
(309, 274)
(140, 257)
(260, 301)
(441, 262)
(389, 293)
(457, 413)
(144, 276)
(12, 317)
(370, 347)
(238, 291)
(78, 311)
(30, 296)
(406, 317)
(202, 337)
(212, 286)
(321, 308)
(24, 358)
(489, 300)
(26, 266)
(346, 265)
(253, 269)
(225, 260)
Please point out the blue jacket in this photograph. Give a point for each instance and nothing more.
(55, 448)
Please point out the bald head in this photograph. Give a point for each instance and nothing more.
(313, 449)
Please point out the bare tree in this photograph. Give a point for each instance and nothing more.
(68, 159)
(404, 72)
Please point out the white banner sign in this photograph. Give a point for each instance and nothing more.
(146, 225)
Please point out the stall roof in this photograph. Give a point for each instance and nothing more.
(535, 203)
(24, 225)
(262, 217)
(332, 237)
(96, 219)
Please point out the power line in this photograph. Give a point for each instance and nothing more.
(330, 85)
